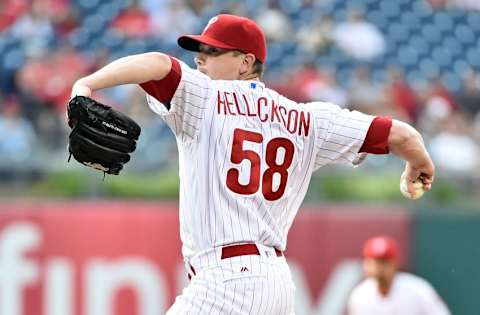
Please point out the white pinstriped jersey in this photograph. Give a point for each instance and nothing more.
(409, 294)
(246, 156)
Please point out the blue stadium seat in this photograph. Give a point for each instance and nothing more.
(377, 18)
(414, 77)
(398, 32)
(407, 55)
(112, 40)
(304, 17)
(405, 4)
(340, 5)
(340, 15)
(275, 52)
(109, 10)
(420, 44)
(458, 15)
(410, 20)
(422, 9)
(325, 7)
(136, 46)
(453, 45)
(452, 80)
(378, 63)
(392, 48)
(255, 6)
(355, 5)
(431, 33)
(324, 61)
(460, 67)
(13, 58)
(343, 77)
(79, 38)
(390, 8)
(290, 7)
(464, 34)
(473, 20)
(429, 67)
(95, 23)
(290, 61)
(8, 38)
(473, 57)
(87, 6)
(391, 61)
(378, 75)
(289, 47)
(443, 21)
(123, 4)
(3, 45)
(156, 44)
(442, 56)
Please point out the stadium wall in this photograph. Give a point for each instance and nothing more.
(446, 251)
(105, 258)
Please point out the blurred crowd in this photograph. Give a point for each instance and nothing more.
(315, 53)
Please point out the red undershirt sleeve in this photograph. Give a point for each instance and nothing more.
(164, 89)
(376, 141)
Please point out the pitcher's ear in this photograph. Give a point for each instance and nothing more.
(247, 63)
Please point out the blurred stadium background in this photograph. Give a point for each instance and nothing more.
(415, 60)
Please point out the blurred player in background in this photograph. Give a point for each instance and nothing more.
(387, 291)
(246, 158)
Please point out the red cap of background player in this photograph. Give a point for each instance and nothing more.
(381, 247)
(229, 32)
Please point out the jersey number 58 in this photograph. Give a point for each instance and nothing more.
(239, 154)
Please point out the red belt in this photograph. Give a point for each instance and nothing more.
(243, 249)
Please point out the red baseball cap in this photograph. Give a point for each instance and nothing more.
(381, 247)
(229, 32)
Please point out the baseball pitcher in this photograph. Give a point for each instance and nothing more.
(246, 156)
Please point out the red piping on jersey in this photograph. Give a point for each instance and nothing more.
(376, 140)
(164, 89)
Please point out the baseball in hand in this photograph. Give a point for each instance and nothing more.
(417, 189)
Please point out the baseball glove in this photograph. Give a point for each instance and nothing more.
(101, 137)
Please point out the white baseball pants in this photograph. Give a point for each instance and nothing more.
(248, 284)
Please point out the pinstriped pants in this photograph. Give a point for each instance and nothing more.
(249, 284)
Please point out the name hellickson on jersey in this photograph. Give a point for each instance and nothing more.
(295, 121)
(114, 127)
